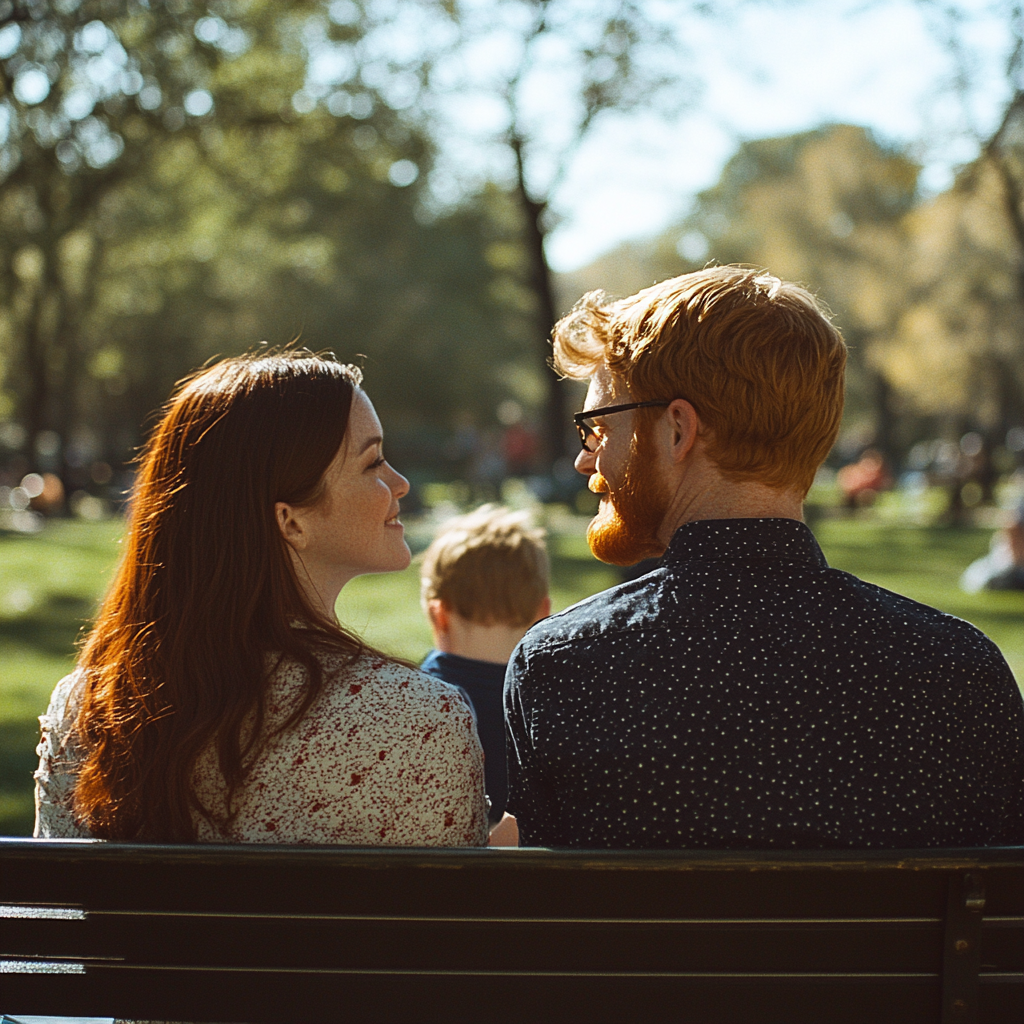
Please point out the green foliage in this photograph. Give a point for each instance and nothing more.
(824, 208)
(958, 347)
(261, 177)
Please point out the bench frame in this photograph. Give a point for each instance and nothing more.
(296, 934)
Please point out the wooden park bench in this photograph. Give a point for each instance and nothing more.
(305, 935)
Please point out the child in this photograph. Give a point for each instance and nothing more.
(484, 582)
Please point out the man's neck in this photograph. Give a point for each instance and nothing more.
(720, 498)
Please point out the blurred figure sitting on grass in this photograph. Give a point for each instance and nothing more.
(217, 698)
(484, 583)
(1003, 567)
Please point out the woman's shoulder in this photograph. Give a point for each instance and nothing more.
(372, 675)
(59, 756)
(63, 706)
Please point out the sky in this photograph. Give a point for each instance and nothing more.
(777, 69)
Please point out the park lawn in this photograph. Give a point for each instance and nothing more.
(50, 583)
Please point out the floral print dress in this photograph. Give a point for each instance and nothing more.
(385, 756)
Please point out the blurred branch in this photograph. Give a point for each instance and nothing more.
(949, 23)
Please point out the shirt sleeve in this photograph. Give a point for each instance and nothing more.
(531, 797)
(1010, 718)
(436, 798)
(460, 755)
(55, 776)
(1012, 833)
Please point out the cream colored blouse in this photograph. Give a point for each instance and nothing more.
(385, 756)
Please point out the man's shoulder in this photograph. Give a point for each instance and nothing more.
(631, 605)
(905, 615)
(845, 610)
(906, 639)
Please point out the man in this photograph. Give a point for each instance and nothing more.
(743, 694)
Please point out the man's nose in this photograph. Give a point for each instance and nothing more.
(586, 462)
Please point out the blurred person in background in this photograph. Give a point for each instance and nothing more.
(1003, 567)
(744, 694)
(862, 481)
(484, 583)
(217, 698)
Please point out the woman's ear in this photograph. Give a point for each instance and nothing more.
(684, 426)
(290, 526)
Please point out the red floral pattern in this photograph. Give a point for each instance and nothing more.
(385, 756)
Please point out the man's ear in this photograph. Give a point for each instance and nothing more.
(290, 526)
(684, 425)
(543, 610)
(440, 616)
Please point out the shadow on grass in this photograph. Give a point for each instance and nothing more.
(18, 761)
(52, 626)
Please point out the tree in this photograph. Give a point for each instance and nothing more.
(958, 349)
(261, 178)
(554, 69)
(824, 208)
(90, 91)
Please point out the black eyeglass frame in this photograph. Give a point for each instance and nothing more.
(580, 418)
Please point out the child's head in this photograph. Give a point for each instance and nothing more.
(489, 568)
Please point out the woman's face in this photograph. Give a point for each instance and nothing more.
(354, 528)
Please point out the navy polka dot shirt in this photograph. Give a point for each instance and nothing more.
(745, 695)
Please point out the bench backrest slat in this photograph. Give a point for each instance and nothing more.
(291, 934)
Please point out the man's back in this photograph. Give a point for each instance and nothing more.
(746, 695)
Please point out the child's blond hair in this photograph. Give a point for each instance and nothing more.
(489, 566)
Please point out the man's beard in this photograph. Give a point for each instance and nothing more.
(625, 529)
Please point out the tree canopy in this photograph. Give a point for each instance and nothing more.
(184, 179)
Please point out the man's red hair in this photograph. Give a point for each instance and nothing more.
(757, 357)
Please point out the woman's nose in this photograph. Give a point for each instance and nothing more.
(399, 485)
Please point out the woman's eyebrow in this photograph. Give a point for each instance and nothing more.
(371, 442)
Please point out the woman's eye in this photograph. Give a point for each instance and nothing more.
(377, 463)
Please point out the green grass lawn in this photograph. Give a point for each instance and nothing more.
(50, 582)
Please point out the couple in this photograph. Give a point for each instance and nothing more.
(742, 695)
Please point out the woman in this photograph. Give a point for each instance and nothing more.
(217, 698)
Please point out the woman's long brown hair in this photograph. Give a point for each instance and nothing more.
(205, 596)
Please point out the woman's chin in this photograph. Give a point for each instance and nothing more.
(399, 555)
(407, 557)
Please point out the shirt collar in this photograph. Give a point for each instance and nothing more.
(460, 668)
(745, 540)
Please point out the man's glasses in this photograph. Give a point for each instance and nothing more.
(585, 420)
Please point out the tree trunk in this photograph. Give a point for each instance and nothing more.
(37, 370)
(885, 418)
(554, 423)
